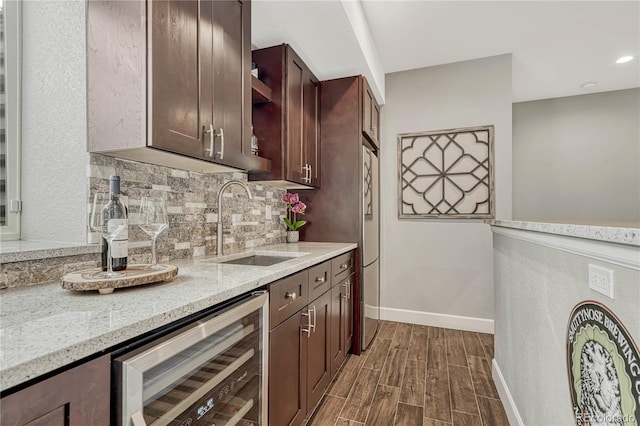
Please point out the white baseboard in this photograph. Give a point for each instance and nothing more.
(437, 320)
(505, 396)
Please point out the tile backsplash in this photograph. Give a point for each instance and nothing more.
(192, 211)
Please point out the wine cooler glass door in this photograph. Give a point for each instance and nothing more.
(211, 372)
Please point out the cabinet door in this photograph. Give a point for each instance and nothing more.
(346, 320)
(231, 52)
(367, 108)
(337, 338)
(312, 128)
(294, 119)
(288, 371)
(319, 361)
(79, 396)
(180, 74)
(370, 114)
(375, 128)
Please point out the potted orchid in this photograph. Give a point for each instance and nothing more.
(294, 208)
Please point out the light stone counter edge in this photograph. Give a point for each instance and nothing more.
(45, 327)
(611, 234)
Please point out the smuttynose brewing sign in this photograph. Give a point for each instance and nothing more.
(604, 368)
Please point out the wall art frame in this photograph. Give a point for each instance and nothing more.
(446, 174)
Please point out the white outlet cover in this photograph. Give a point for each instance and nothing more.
(601, 280)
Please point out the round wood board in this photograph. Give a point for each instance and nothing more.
(134, 275)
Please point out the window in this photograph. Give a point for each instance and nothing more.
(10, 20)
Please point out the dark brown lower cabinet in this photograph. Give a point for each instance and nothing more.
(302, 361)
(79, 396)
(318, 359)
(288, 371)
(341, 322)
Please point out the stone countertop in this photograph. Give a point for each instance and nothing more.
(45, 327)
(19, 251)
(611, 234)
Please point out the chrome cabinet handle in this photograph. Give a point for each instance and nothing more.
(307, 330)
(347, 286)
(344, 266)
(307, 173)
(212, 137)
(221, 152)
(292, 295)
(315, 319)
(320, 280)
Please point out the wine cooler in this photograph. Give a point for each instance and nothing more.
(210, 372)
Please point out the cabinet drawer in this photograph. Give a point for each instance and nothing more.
(342, 266)
(319, 279)
(288, 296)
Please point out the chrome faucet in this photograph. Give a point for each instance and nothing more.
(219, 250)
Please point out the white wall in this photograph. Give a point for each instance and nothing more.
(577, 159)
(54, 157)
(438, 266)
(536, 288)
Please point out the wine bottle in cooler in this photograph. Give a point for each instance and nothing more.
(114, 212)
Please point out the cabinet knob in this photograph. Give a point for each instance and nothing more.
(292, 295)
(320, 280)
(344, 266)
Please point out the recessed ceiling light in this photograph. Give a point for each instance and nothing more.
(589, 85)
(624, 59)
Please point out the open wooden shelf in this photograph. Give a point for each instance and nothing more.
(260, 92)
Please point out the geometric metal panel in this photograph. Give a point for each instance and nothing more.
(446, 174)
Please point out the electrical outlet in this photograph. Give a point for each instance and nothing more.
(601, 280)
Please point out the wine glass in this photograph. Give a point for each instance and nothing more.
(153, 220)
(109, 228)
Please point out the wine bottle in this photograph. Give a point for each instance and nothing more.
(113, 213)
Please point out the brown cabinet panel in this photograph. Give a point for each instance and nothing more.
(57, 417)
(307, 338)
(311, 123)
(75, 397)
(341, 322)
(287, 296)
(288, 372)
(342, 267)
(288, 128)
(186, 86)
(370, 115)
(228, 73)
(376, 123)
(176, 57)
(294, 118)
(319, 279)
(347, 318)
(336, 345)
(319, 362)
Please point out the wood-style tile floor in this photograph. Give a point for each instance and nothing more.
(416, 375)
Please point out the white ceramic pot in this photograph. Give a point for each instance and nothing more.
(293, 236)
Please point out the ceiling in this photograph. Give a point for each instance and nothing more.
(556, 45)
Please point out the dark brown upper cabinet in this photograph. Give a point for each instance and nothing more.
(171, 77)
(370, 115)
(288, 127)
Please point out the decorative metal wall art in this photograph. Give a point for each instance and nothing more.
(446, 174)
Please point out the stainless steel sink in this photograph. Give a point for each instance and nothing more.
(258, 260)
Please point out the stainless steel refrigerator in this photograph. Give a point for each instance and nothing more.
(370, 271)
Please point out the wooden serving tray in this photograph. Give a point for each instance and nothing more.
(135, 275)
